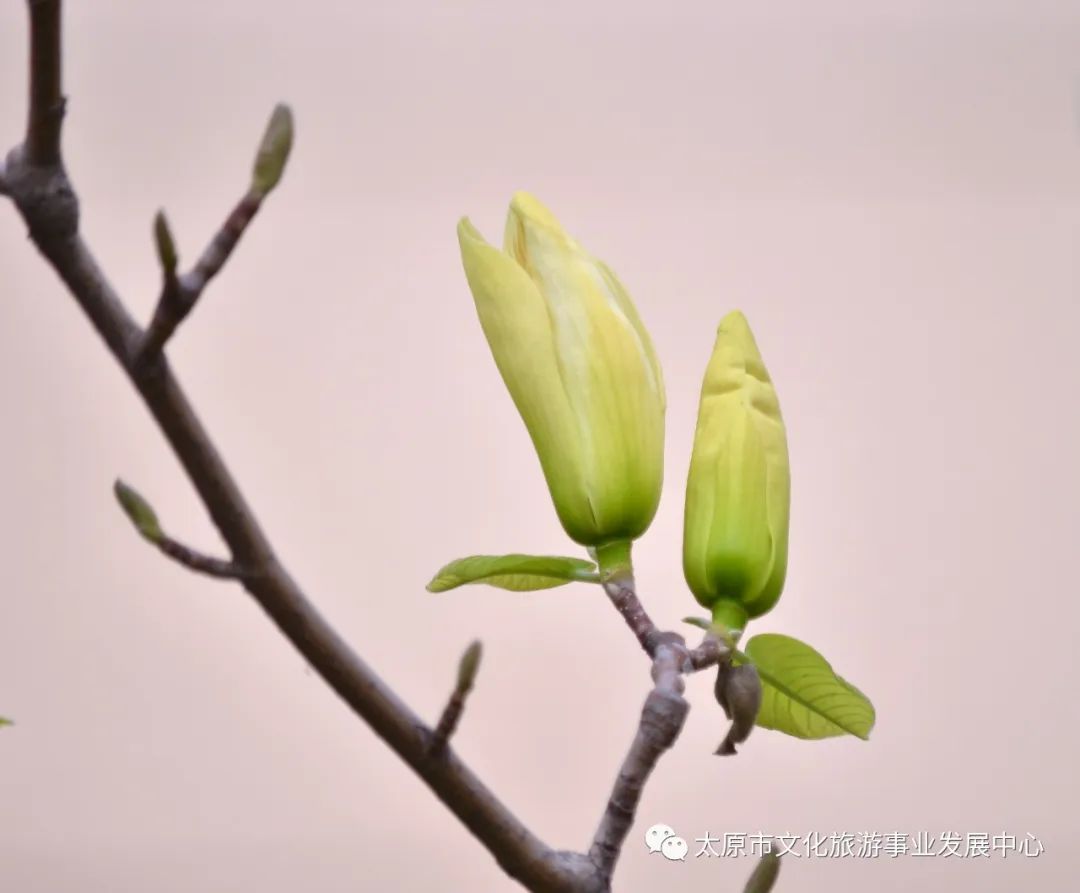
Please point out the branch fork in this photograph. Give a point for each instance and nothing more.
(34, 178)
(180, 292)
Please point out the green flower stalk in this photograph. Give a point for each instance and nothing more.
(580, 368)
(735, 532)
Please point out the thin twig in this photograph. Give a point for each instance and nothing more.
(623, 595)
(46, 108)
(451, 715)
(521, 854)
(221, 568)
(35, 178)
(662, 719)
(179, 294)
(47, 204)
(145, 520)
(223, 243)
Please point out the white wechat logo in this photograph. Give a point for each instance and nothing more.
(656, 835)
(674, 849)
(662, 839)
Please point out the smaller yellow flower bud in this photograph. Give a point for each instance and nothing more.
(735, 531)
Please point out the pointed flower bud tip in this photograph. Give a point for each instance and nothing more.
(273, 151)
(138, 511)
(166, 247)
(580, 368)
(735, 531)
(469, 665)
(765, 874)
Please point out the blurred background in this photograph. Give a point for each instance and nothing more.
(890, 191)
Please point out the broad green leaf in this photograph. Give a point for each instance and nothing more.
(803, 695)
(520, 573)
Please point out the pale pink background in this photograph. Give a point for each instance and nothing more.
(890, 191)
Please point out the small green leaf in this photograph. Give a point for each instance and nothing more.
(520, 573)
(273, 151)
(700, 622)
(138, 511)
(5, 722)
(803, 695)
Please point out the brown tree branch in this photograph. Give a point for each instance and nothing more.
(35, 179)
(709, 653)
(662, 719)
(623, 595)
(46, 107)
(193, 560)
(37, 182)
(520, 853)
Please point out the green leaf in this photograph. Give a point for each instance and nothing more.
(520, 573)
(5, 722)
(803, 695)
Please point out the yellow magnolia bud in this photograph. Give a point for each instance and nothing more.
(580, 368)
(735, 532)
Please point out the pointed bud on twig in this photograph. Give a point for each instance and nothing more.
(765, 874)
(166, 247)
(469, 666)
(139, 511)
(273, 151)
(451, 715)
(738, 691)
